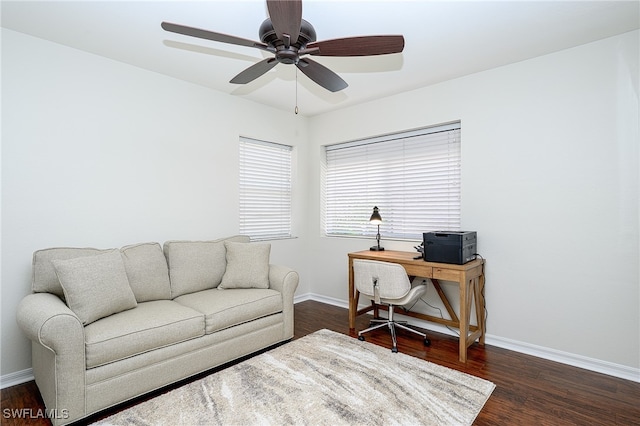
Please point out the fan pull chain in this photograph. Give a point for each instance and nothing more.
(296, 110)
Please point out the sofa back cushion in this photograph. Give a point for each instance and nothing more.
(147, 271)
(145, 264)
(197, 265)
(44, 278)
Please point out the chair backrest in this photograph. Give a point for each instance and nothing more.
(391, 278)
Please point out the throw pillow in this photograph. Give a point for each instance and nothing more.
(247, 265)
(95, 286)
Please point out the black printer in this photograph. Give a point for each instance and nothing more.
(456, 247)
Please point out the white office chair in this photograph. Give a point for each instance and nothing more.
(389, 284)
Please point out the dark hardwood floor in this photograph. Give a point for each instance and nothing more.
(529, 390)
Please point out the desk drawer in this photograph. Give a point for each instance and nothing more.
(418, 271)
(447, 274)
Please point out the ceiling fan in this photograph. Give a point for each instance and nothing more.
(289, 38)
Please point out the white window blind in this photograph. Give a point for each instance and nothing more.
(265, 189)
(412, 177)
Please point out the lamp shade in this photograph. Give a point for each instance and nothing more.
(375, 217)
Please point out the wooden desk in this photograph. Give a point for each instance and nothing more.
(469, 276)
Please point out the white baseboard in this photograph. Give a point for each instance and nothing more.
(592, 364)
(320, 298)
(16, 378)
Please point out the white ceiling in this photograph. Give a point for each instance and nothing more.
(443, 40)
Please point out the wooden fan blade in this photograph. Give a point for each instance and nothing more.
(286, 17)
(321, 75)
(210, 35)
(254, 71)
(357, 46)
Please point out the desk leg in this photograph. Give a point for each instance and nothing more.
(479, 297)
(353, 301)
(464, 318)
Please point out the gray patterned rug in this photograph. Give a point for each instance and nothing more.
(324, 378)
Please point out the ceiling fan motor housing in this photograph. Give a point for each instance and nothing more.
(287, 55)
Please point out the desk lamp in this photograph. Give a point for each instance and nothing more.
(376, 220)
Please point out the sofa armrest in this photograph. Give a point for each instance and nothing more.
(285, 280)
(46, 320)
(58, 356)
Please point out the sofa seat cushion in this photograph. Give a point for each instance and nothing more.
(226, 308)
(149, 326)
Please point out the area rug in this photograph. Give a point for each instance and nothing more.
(324, 378)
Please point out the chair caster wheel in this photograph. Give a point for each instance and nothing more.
(427, 342)
(361, 338)
(394, 350)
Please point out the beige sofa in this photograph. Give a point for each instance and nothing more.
(109, 325)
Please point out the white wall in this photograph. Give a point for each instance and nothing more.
(550, 182)
(98, 153)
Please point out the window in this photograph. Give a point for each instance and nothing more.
(412, 177)
(265, 189)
